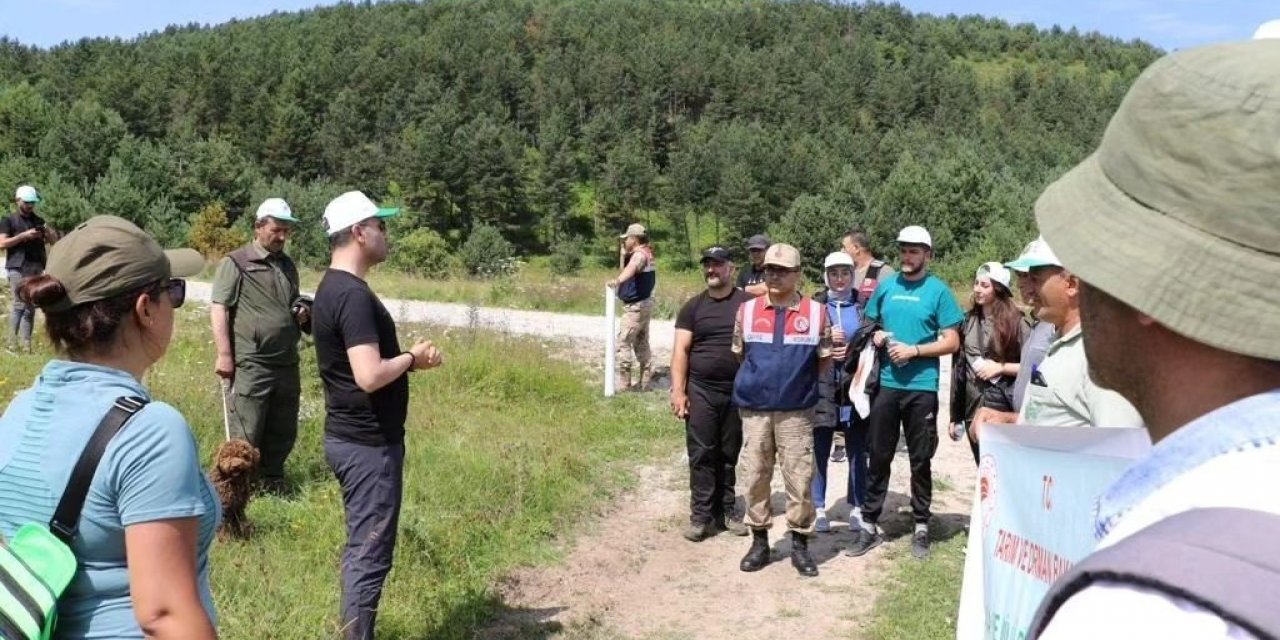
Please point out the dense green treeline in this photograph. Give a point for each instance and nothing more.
(559, 121)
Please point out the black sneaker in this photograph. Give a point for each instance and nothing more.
(864, 542)
(920, 544)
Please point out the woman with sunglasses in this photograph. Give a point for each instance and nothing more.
(142, 544)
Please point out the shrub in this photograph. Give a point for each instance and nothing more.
(423, 252)
(487, 254)
(566, 256)
(210, 234)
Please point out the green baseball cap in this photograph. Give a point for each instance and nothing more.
(1188, 169)
(107, 256)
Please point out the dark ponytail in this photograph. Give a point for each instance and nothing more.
(87, 328)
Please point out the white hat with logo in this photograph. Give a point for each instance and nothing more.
(351, 208)
(276, 208)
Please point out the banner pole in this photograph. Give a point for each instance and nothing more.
(610, 346)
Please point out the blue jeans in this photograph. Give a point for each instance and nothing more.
(855, 437)
(21, 315)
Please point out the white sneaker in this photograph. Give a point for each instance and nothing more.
(822, 525)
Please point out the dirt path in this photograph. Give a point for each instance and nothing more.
(630, 574)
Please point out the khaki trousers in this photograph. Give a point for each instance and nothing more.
(785, 437)
(633, 343)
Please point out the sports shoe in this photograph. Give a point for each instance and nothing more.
(837, 454)
(699, 531)
(732, 524)
(920, 544)
(822, 524)
(866, 541)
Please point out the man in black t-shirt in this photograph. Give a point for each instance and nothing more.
(702, 371)
(23, 235)
(751, 279)
(366, 392)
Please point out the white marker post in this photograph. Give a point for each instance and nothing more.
(610, 346)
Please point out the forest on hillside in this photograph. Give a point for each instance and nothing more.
(557, 122)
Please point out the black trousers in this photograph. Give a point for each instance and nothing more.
(713, 433)
(917, 412)
(372, 482)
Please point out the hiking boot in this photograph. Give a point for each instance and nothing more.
(732, 524)
(622, 379)
(646, 378)
(699, 531)
(920, 544)
(864, 542)
(758, 556)
(822, 524)
(837, 454)
(800, 557)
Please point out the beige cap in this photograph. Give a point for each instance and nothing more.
(782, 255)
(636, 229)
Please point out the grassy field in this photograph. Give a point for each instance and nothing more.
(919, 600)
(507, 451)
(535, 287)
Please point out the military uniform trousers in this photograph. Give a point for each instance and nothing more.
(784, 437)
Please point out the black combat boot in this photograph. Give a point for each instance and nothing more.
(758, 556)
(800, 558)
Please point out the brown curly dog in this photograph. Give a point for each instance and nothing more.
(232, 475)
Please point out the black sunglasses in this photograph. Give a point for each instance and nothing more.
(177, 289)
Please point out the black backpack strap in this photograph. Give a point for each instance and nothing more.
(1223, 560)
(66, 518)
(873, 270)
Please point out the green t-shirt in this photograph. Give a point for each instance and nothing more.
(915, 313)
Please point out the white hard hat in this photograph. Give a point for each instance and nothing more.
(915, 235)
(837, 259)
(1268, 29)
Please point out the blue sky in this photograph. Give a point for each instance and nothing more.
(1170, 24)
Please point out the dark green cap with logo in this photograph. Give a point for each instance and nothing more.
(107, 256)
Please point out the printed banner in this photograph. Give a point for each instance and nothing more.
(1033, 518)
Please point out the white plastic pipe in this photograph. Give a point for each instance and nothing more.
(610, 346)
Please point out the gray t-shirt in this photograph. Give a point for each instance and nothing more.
(1034, 349)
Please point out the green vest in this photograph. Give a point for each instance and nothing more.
(259, 288)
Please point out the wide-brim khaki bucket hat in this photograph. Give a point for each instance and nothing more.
(1177, 213)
